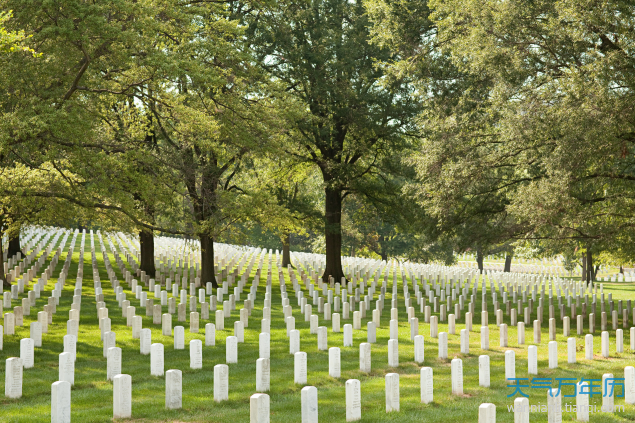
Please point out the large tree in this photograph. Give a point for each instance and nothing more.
(345, 114)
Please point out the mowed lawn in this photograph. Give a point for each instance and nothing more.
(92, 397)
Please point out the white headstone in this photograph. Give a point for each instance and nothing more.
(443, 345)
(61, 402)
(67, 368)
(179, 338)
(210, 335)
(196, 354)
(264, 345)
(419, 349)
(484, 371)
(259, 410)
(263, 371)
(553, 354)
(348, 335)
(571, 350)
(353, 400)
(156, 359)
(231, 350)
(532, 360)
(70, 346)
(173, 389)
(588, 347)
(299, 368)
(582, 401)
(113, 364)
(13, 378)
(427, 385)
(629, 385)
(457, 376)
(392, 392)
(554, 405)
(322, 339)
(221, 382)
(521, 410)
(145, 341)
(27, 353)
(122, 397)
(364, 357)
(294, 341)
(334, 362)
(487, 413)
(510, 365)
(309, 400)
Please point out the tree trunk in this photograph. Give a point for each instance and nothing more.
(584, 268)
(207, 260)
(508, 263)
(14, 246)
(333, 234)
(479, 259)
(146, 244)
(384, 256)
(286, 252)
(5, 282)
(589, 266)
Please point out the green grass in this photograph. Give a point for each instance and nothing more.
(92, 394)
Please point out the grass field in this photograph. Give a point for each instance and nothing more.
(92, 395)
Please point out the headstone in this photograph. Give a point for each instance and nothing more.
(487, 413)
(156, 359)
(457, 376)
(334, 362)
(364, 357)
(70, 346)
(300, 368)
(605, 344)
(608, 399)
(66, 368)
(322, 340)
(571, 350)
(196, 354)
(353, 401)
(629, 385)
(113, 364)
(294, 342)
(122, 397)
(210, 335)
(554, 405)
(27, 354)
(427, 385)
(484, 338)
(61, 402)
(532, 360)
(231, 350)
(259, 411)
(179, 338)
(420, 349)
(588, 346)
(264, 345)
(553, 354)
(443, 345)
(173, 389)
(221, 382)
(582, 401)
(13, 378)
(521, 410)
(484, 371)
(392, 392)
(309, 401)
(393, 353)
(263, 367)
(145, 341)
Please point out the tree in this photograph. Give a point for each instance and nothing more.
(345, 114)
